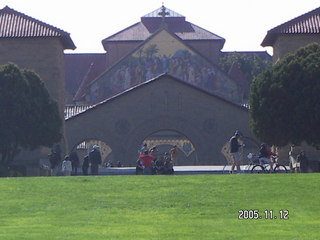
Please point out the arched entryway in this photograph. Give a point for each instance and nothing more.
(165, 140)
(84, 147)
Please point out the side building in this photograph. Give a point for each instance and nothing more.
(287, 38)
(293, 34)
(35, 45)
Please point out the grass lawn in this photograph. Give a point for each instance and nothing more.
(159, 207)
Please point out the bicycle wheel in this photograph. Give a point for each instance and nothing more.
(248, 168)
(258, 169)
(280, 169)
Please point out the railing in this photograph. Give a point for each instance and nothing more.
(72, 110)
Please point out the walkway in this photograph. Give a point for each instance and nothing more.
(179, 170)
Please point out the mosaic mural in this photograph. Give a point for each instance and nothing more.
(163, 54)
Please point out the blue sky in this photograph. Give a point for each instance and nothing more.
(243, 23)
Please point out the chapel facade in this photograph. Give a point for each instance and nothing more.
(163, 51)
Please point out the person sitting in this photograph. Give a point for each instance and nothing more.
(265, 155)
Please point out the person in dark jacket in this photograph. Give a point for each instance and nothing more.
(75, 162)
(234, 150)
(85, 165)
(95, 160)
(54, 162)
(304, 162)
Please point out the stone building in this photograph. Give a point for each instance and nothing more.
(37, 46)
(161, 37)
(287, 38)
(158, 82)
(154, 75)
(165, 106)
(293, 34)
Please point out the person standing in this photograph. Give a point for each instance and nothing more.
(293, 155)
(234, 150)
(95, 160)
(147, 162)
(75, 162)
(66, 166)
(85, 165)
(139, 167)
(174, 154)
(143, 148)
(303, 161)
(54, 161)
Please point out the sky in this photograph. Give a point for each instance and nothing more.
(243, 23)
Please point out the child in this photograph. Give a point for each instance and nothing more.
(66, 166)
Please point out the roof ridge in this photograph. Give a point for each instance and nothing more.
(15, 24)
(308, 23)
(9, 10)
(296, 20)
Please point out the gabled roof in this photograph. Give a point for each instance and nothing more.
(178, 49)
(308, 23)
(152, 81)
(14, 24)
(152, 22)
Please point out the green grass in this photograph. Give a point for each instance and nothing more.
(159, 207)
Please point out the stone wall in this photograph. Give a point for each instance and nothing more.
(291, 42)
(165, 103)
(45, 56)
(117, 50)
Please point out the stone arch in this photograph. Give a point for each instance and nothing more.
(144, 129)
(83, 147)
(165, 139)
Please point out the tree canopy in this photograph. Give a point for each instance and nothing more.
(250, 64)
(29, 117)
(285, 100)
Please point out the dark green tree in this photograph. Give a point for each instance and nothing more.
(250, 64)
(285, 101)
(29, 117)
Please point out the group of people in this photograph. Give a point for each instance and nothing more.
(71, 162)
(152, 162)
(298, 160)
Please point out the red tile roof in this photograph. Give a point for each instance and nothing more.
(308, 23)
(14, 24)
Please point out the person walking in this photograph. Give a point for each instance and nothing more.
(234, 150)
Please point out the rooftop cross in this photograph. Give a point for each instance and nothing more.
(163, 12)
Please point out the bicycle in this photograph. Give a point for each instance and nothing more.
(265, 168)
